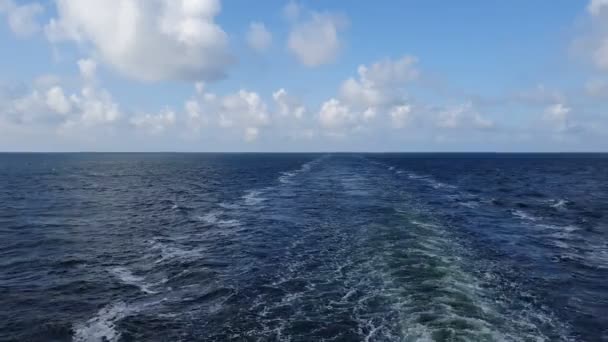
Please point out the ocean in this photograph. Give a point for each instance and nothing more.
(303, 247)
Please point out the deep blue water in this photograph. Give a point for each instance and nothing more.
(303, 247)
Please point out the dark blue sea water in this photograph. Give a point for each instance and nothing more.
(303, 247)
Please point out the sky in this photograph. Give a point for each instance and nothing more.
(295, 76)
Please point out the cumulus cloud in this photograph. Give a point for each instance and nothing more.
(147, 40)
(22, 19)
(243, 108)
(57, 101)
(242, 111)
(258, 37)
(595, 7)
(288, 105)
(462, 116)
(291, 11)
(334, 114)
(380, 83)
(377, 93)
(597, 88)
(400, 115)
(88, 68)
(557, 116)
(49, 102)
(314, 40)
(154, 123)
(594, 44)
(251, 134)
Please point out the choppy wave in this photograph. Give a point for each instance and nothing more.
(253, 197)
(338, 248)
(102, 327)
(215, 218)
(127, 277)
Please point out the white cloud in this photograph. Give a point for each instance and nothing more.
(87, 68)
(200, 87)
(400, 115)
(595, 7)
(558, 116)
(251, 134)
(482, 122)
(258, 37)
(594, 44)
(539, 95)
(334, 114)
(243, 111)
(379, 84)
(22, 20)
(155, 123)
(369, 114)
(377, 91)
(600, 56)
(462, 116)
(291, 11)
(243, 108)
(49, 102)
(288, 105)
(195, 116)
(56, 100)
(597, 88)
(147, 39)
(316, 40)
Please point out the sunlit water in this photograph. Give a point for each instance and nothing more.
(337, 247)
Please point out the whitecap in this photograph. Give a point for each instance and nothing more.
(214, 219)
(253, 197)
(102, 327)
(210, 218)
(127, 277)
(560, 204)
(523, 215)
(171, 252)
(285, 177)
(469, 204)
(229, 206)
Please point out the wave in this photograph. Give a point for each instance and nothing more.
(253, 197)
(560, 204)
(429, 180)
(524, 215)
(287, 176)
(169, 253)
(214, 218)
(127, 277)
(102, 327)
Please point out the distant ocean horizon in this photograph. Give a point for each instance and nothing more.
(346, 246)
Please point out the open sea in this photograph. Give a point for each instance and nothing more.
(303, 247)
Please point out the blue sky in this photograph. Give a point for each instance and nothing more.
(211, 75)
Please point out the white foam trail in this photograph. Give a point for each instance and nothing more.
(229, 206)
(102, 327)
(560, 204)
(213, 218)
(287, 176)
(170, 252)
(127, 277)
(253, 197)
(523, 215)
(430, 181)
